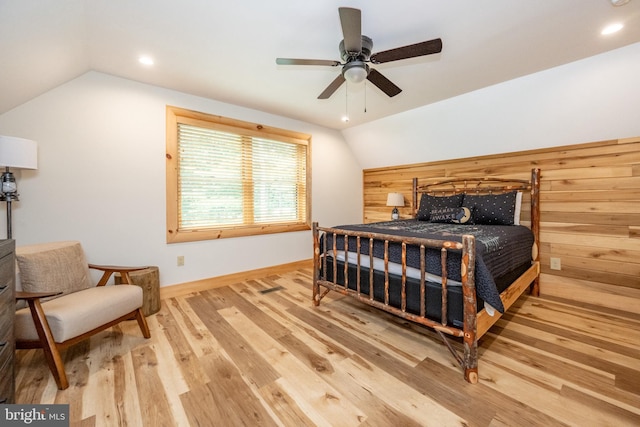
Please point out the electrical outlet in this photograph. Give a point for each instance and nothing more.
(555, 263)
(180, 260)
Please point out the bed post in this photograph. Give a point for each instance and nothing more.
(470, 309)
(414, 198)
(535, 226)
(316, 264)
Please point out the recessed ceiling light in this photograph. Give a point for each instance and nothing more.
(146, 60)
(610, 29)
(345, 119)
(619, 2)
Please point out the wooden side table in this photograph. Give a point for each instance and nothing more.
(149, 280)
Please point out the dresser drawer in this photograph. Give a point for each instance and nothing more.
(7, 308)
(6, 346)
(6, 350)
(7, 271)
(7, 378)
(7, 313)
(6, 248)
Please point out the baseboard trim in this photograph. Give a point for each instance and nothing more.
(216, 282)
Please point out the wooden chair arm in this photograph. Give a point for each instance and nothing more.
(47, 342)
(110, 269)
(30, 296)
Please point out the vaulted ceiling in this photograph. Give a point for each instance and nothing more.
(226, 50)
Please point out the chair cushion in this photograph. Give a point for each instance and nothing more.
(57, 266)
(74, 314)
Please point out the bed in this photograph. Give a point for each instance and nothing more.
(466, 255)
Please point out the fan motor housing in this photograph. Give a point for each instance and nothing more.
(363, 55)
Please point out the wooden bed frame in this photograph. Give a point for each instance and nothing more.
(475, 323)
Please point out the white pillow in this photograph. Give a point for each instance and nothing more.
(516, 216)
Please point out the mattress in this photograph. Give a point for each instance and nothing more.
(433, 290)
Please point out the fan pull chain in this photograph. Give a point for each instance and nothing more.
(365, 96)
(345, 118)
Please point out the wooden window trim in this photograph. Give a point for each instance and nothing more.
(175, 115)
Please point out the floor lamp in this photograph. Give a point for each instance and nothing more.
(14, 153)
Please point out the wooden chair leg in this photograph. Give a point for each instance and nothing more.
(51, 352)
(142, 322)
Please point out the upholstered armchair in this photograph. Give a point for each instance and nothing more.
(60, 304)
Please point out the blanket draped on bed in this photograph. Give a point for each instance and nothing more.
(499, 249)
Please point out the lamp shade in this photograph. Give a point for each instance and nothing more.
(18, 152)
(395, 199)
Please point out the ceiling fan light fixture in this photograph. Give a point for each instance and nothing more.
(355, 71)
(355, 51)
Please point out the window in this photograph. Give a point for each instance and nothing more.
(228, 178)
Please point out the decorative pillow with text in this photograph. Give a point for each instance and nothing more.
(428, 203)
(461, 215)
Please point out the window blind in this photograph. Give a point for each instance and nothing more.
(228, 179)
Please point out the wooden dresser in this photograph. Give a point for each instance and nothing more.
(7, 313)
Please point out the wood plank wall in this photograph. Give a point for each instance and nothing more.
(590, 212)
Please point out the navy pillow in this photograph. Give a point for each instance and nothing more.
(461, 215)
(428, 203)
(492, 209)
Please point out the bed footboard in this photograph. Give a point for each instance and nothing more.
(326, 259)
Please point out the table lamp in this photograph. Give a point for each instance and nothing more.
(395, 200)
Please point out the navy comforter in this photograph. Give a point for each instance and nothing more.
(499, 249)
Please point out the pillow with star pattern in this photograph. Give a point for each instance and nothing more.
(492, 209)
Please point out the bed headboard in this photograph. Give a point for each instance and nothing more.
(480, 186)
(490, 185)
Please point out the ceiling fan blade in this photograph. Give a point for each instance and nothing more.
(351, 22)
(293, 61)
(333, 86)
(410, 51)
(383, 83)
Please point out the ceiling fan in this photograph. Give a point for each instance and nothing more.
(355, 51)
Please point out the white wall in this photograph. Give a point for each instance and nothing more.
(101, 179)
(594, 99)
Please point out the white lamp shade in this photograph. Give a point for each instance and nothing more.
(395, 199)
(355, 71)
(18, 152)
(355, 75)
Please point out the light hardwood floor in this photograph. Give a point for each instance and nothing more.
(236, 356)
